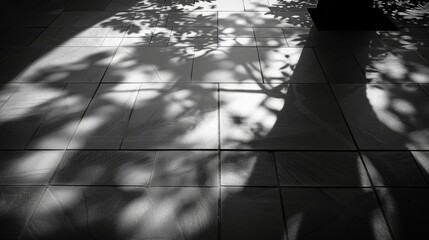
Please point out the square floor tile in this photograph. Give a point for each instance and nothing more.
(279, 19)
(195, 19)
(339, 65)
(406, 211)
(268, 32)
(237, 42)
(328, 169)
(293, 65)
(233, 32)
(296, 116)
(392, 66)
(219, 5)
(338, 213)
(271, 42)
(24, 111)
(393, 169)
(125, 213)
(186, 168)
(167, 116)
(153, 64)
(233, 19)
(104, 123)
(251, 213)
(227, 64)
(59, 124)
(105, 168)
(248, 168)
(256, 6)
(385, 116)
(28, 167)
(16, 206)
(69, 64)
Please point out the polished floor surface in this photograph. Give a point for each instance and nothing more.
(211, 119)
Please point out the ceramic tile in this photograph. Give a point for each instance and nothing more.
(174, 117)
(248, 169)
(405, 210)
(28, 167)
(103, 126)
(105, 168)
(232, 32)
(125, 213)
(392, 66)
(251, 213)
(14, 60)
(133, 5)
(271, 42)
(16, 206)
(256, 6)
(339, 65)
(69, 64)
(333, 213)
(233, 20)
(294, 65)
(424, 52)
(155, 64)
(219, 5)
(279, 19)
(24, 111)
(186, 168)
(103, 19)
(237, 42)
(263, 116)
(324, 169)
(195, 19)
(291, 5)
(422, 160)
(393, 169)
(185, 32)
(385, 116)
(227, 64)
(57, 128)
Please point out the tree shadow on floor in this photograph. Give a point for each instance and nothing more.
(181, 115)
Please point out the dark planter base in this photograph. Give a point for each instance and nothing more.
(373, 20)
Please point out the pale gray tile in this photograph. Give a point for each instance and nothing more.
(166, 116)
(28, 167)
(186, 168)
(105, 168)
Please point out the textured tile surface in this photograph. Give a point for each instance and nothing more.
(16, 206)
(333, 214)
(405, 210)
(393, 169)
(385, 116)
(240, 206)
(174, 117)
(105, 168)
(190, 168)
(321, 169)
(125, 213)
(283, 117)
(248, 169)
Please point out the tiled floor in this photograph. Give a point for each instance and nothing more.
(222, 119)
